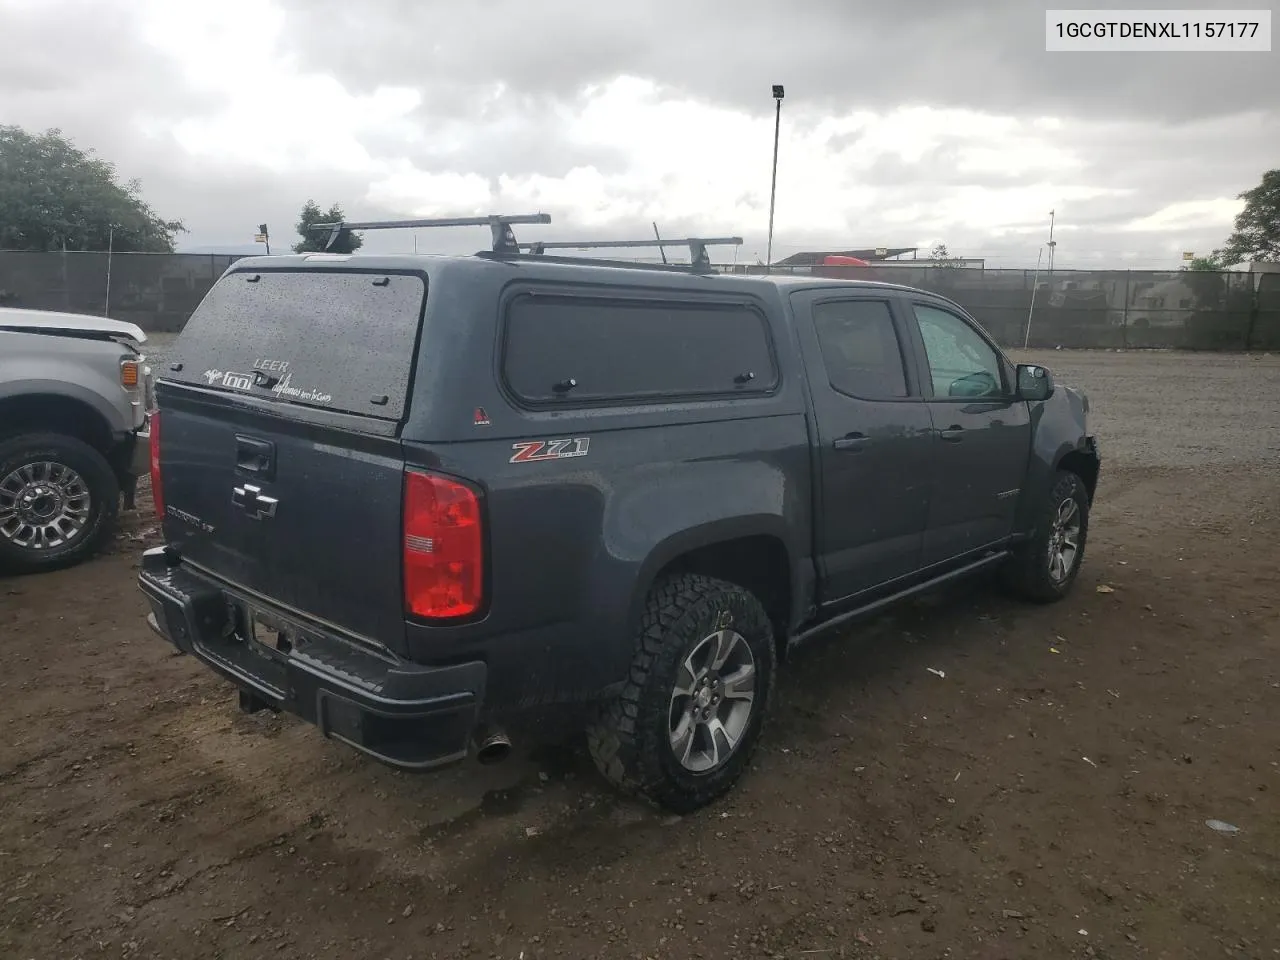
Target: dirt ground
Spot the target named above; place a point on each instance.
(1047, 797)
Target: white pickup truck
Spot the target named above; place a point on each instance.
(75, 404)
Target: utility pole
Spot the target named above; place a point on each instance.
(1035, 282)
(111, 237)
(662, 251)
(778, 94)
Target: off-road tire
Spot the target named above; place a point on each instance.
(104, 499)
(1026, 574)
(629, 737)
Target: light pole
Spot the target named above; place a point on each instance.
(778, 94)
(1052, 245)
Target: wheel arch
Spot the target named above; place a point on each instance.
(55, 412)
(751, 552)
(1085, 465)
(1077, 456)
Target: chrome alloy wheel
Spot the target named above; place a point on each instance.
(1064, 540)
(43, 505)
(712, 701)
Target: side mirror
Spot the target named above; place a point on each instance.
(1034, 382)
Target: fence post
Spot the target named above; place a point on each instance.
(1255, 288)
(1124, 317)
(66, 283)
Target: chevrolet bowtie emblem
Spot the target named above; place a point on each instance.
(251, 500)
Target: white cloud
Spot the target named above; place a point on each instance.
(1189, 215)
(685, 161)
(254, 124)
(711, 165)
(422, 194)
(271, 115)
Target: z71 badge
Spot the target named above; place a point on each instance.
(531, 451)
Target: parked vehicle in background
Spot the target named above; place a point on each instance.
(420, 501)
(75, 395)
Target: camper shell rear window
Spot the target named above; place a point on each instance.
(337, 339)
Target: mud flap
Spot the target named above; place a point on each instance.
(250, 702)
(129, 489)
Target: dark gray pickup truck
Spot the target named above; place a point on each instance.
(425, 502)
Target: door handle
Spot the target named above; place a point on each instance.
(952, 434)
(257, 457)
(851, 443)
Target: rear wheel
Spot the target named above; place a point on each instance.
(684, 727)
(58, 501)
(1045, 567)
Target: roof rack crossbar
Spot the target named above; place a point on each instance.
(698, 256)
(552, 257)
(504, 239)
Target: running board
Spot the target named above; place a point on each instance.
(876, 606)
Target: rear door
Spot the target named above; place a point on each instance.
(984, 432)
(281, 469)
(875, 439)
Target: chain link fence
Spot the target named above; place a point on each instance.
(157, 291)
(1118, 309)
(1107, 309)
(1265, 333)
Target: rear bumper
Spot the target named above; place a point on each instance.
(404, 714)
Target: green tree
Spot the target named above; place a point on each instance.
(941, 258)
(313, 241)
(55, 195)
(1204, 263)
(1257, 233)
(1215, 301)
(1207, 284)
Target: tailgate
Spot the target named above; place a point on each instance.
(280, 467)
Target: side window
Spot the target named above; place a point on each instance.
(591, 349)
(860, 348)
(961, 363)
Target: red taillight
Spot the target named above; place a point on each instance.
(157, 494)
(443, 547)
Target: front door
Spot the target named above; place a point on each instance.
(984, 434)
(875, 441)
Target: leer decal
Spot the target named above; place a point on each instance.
(531, 451)
(283, 388)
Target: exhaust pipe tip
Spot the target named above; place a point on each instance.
(493, 748)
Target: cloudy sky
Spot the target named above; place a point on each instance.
(902, 125)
